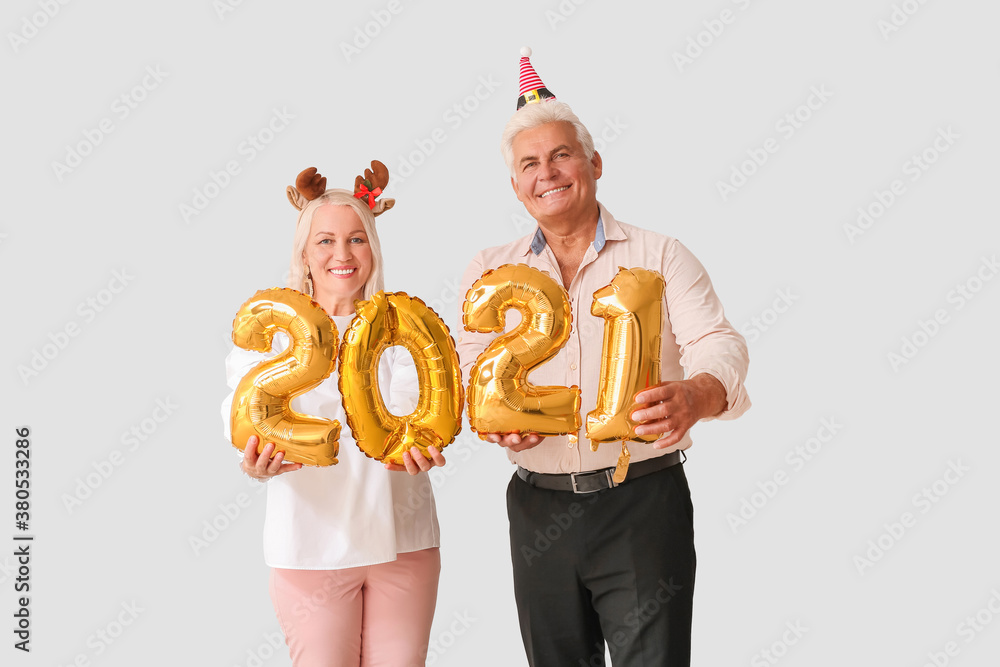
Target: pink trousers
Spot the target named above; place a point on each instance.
(361, 616)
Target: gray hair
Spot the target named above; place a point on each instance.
(334, 197)
(539, 113)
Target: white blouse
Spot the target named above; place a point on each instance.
(356, 512)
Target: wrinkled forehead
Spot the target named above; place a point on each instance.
(545, 137)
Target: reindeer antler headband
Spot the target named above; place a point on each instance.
(310, 185)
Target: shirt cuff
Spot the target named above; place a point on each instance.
(737, 399)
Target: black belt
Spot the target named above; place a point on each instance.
(596, 480)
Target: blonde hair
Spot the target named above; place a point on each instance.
(297, 273)
(539, 113)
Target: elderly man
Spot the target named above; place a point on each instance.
(596, 562)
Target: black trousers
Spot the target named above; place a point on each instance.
(616, 566)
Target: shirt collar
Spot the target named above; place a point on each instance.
(538, 242)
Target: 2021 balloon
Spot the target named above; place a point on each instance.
(501, 399)
(261, 402)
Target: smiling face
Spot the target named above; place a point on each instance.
(553, 177)
(339, 257)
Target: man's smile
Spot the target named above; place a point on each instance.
(548, 192)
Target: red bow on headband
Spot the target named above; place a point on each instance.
(363, 191)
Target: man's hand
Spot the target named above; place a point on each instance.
(515, 442)
(671, 408)
(415, 463)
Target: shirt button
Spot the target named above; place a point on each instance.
(572, 366)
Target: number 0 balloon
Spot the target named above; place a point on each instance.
(261, 402)
(398, 319)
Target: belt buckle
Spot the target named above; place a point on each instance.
(607, 474)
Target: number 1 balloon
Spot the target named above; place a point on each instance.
(632, 307)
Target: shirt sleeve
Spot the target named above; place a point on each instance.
(708, 342)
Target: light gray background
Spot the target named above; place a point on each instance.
(670, 134)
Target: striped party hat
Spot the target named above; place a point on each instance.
(532, 88)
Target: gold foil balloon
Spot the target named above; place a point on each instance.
(632, 308)
(261, 403)
(501, 400)
(398, 319)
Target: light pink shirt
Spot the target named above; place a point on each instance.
(696, 338)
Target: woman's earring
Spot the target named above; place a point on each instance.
(309, 282)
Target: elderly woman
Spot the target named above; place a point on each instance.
(353, 547)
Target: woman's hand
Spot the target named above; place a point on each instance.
(264, 466)
(415, 463)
